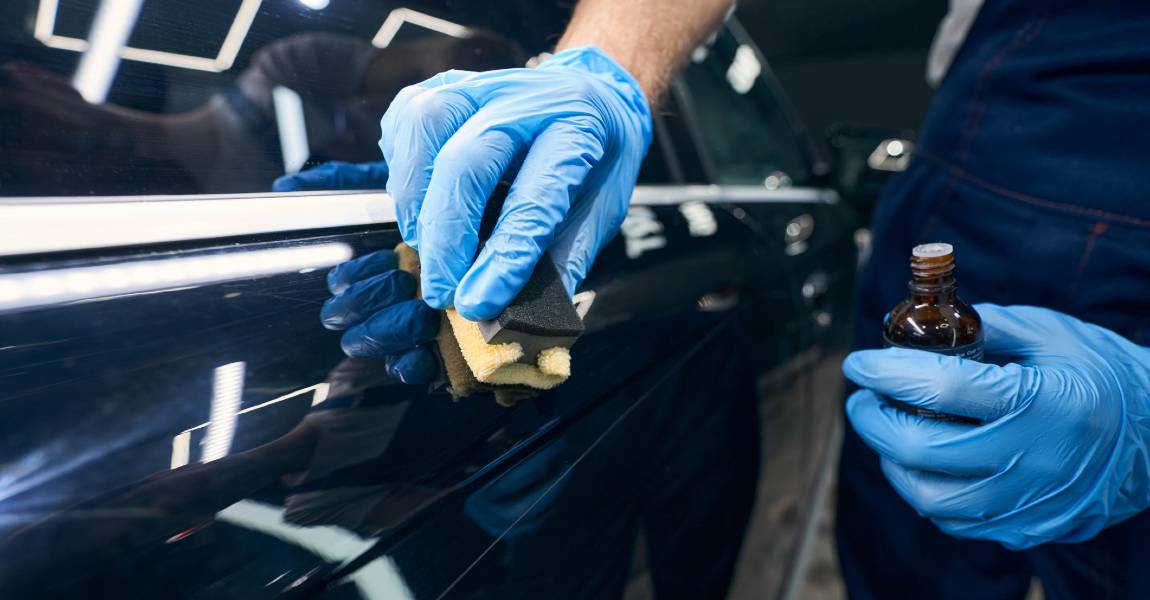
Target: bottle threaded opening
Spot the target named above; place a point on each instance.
(932, 263)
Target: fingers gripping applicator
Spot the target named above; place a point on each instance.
(519, 353)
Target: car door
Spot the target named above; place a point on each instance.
(762, 168)
(175, 422)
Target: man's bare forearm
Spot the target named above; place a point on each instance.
(650, 38)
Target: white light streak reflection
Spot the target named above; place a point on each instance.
(396, 18)
(111, 29)
(744, 70)
(181, 449)
(181, 443)
(292, 128)
(45, 25)
(227, 393)
(56, 286)
(378, 580)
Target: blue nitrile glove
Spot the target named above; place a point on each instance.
(373, 301)
(581, 126)
(335, 175)
(1064, 448)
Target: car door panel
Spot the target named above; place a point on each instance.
(176, 422)
(116, 393)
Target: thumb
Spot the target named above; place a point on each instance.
(1017, 331)
(539, 201)
(946, 384)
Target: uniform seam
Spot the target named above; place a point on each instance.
(1020, 40)
(934, 216)
(1010, 194)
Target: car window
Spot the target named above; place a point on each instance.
(222, 96)
(225, 97)
(742, 127)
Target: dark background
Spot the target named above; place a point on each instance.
(862, 63)
(840, 60)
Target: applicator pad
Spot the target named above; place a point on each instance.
(541, 317)
(527, 349)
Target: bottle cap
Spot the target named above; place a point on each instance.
(934, 250)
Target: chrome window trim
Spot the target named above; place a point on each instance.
(140, 275)
(33, 225)
(659, 195)
(40, 224)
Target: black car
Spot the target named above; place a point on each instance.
(175, 421)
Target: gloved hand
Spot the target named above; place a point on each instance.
(1064, 446)
(335, 175)
(584, 125)
(373, 304)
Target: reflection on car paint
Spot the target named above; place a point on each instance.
(46, 286)
(641, 230)
(171, 439)
(700, 220)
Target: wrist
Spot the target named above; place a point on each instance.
(595, 60)
(644, 78)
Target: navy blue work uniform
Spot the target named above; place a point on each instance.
(1034, 161)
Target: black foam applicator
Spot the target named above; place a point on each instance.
(542, 315)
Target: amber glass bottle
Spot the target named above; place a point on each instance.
(933, 317)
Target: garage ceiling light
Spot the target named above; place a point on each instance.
(111, 29)
(292, 126)
(396, 18)
(45, 26)
(744, 70)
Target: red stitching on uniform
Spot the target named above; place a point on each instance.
(1027, 198)
(1097, 230)
(1022, 38)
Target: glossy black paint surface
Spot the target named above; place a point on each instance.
(689, 434)
(96, 393)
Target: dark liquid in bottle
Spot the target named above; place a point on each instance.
(933, 318)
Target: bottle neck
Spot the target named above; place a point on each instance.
(940, 291)
(932, 279)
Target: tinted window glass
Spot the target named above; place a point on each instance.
(223, 96)
(744, 132)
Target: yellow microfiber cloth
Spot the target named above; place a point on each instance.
(472, 364)
(461, 382)
(500, 364)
